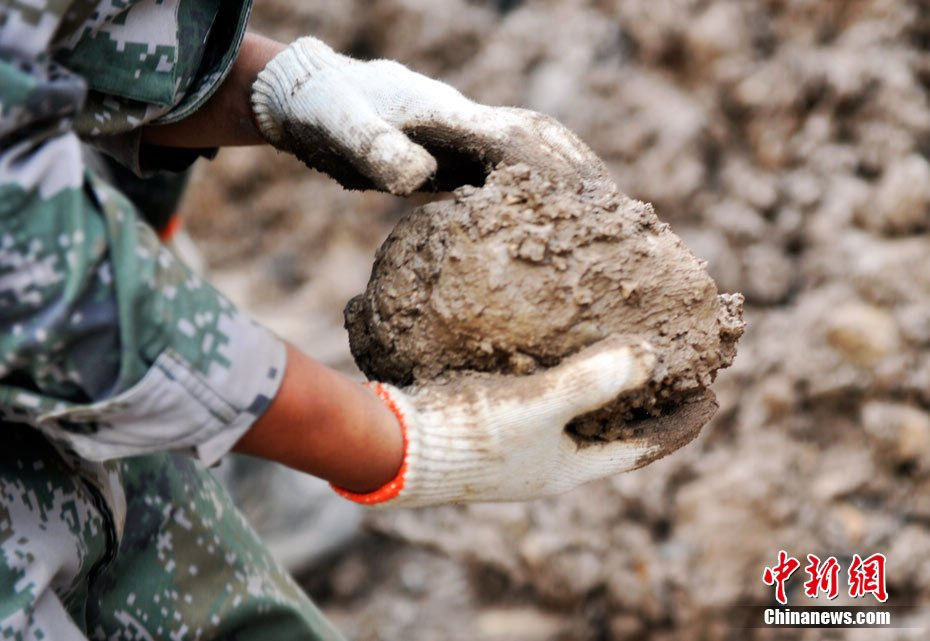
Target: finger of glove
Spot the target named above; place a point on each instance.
(345, 125)
(581, 383)
(650, 440)
(555, 137)
(464, 135)
(463, 139)
(435, 115)
(543, 141)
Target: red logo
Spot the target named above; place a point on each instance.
(780, 573)
(868, 577)
(865, 576)
(823, 577)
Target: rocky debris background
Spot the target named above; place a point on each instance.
(787, 142)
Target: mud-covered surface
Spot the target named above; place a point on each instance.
(525, 270)
(787, 145)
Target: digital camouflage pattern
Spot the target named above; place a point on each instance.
(111, 348)
(188, 566)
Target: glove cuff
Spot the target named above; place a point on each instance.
(266, 104)
(292, 67)
(442, 464)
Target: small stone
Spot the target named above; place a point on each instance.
(349, 577)
(506, 624)
(862, 333)
(768, 274)
(777, 395)
(900, 203)
(414, 578)
(625, 626)
(902, 430)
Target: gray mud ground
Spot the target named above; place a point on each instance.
(526, 270)
(787, 144)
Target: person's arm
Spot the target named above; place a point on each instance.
(322, 423)
(226, 119)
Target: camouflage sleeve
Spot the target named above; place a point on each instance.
(108, 344)
(147, 61)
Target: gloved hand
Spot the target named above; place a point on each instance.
(493, 438)
(379, 125)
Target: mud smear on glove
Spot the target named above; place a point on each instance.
(528, 269)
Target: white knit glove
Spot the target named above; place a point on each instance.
(495, 438)
(379, 125)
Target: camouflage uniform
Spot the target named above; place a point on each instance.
(114, 357)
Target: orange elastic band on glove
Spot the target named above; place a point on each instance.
(393, 487)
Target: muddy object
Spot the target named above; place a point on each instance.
(527, 269)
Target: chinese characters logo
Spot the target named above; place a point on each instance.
(864, 576)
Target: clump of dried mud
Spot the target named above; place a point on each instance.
(527, 269)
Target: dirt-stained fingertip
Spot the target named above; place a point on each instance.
(395, 163)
